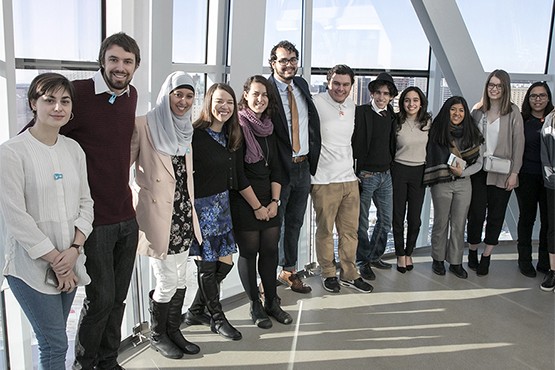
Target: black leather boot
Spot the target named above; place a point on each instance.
(472, 259)
(159, 339)
(196, 314)
(273, 308)
(209, 287)
(483, 267)
(174, 324)
(259, 316)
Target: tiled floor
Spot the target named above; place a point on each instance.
(416, 320)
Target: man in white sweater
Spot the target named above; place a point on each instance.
(335, 193)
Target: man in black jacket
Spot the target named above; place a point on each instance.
(374, 151)
(297, 128)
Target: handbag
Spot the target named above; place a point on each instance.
(497, 165)
(492, 163)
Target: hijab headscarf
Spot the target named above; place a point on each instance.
(171, 134)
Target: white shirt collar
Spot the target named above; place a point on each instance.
(282, 86)
(101, 87)
(376, 109)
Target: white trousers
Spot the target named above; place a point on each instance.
(170, 274)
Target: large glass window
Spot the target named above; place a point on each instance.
(59, 29)
(509, 34)
(283, 22)
(189, 31)
(368, 34)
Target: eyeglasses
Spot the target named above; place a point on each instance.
(541, 96)
(492, 86)
(293, 61)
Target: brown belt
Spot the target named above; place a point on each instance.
(299, 159)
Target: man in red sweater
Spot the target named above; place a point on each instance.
(104, 110)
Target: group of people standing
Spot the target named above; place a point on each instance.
(239, 178)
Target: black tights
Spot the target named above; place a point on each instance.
(263, 243)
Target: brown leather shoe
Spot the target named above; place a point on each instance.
(294, 282)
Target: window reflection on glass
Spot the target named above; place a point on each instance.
(368, 34)
(189, 31)
(509, 34)
(283, 22)
(57, 30)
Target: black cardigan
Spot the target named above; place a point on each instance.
(216, 169)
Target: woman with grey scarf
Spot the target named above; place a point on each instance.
(161, 150)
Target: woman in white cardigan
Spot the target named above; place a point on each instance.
(501, 124)
(161, 150)
(46, 214)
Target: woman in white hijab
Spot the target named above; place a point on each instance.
(161, 150)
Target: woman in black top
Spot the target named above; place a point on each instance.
(531, 192)
(257, 229)
(218, 167)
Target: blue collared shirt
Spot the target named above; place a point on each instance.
(302, 108)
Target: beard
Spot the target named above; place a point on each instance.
(115, 84)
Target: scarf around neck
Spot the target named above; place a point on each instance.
(171, 134)
(253, 126)
(437, 170)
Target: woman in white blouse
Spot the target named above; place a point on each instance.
(46, 214)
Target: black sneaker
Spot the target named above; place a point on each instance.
(459, 271)
(438, 267)
(548, 283)
(331, 285)
(358, 284)
(366, 272)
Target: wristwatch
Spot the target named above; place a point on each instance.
(277, 201)
(79, 248)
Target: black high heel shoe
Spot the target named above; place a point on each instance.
(411, 266)
(401, 269)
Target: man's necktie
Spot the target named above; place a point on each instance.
(295, 141)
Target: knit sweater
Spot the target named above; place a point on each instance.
(411, 143)
(104, 131)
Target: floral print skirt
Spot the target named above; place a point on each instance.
(216, 228)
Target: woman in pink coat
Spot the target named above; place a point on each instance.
(161, 149)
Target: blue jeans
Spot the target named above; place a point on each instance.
(294, 198)
(110, 251)
(47, 314)
(377, 187)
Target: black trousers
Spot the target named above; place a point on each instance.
(531, 193)
(489, 204)
(408, 193)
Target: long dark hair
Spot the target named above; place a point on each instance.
(527, 109)
(272, 98)
(423, 116)
(233, 130)
(440, 132)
